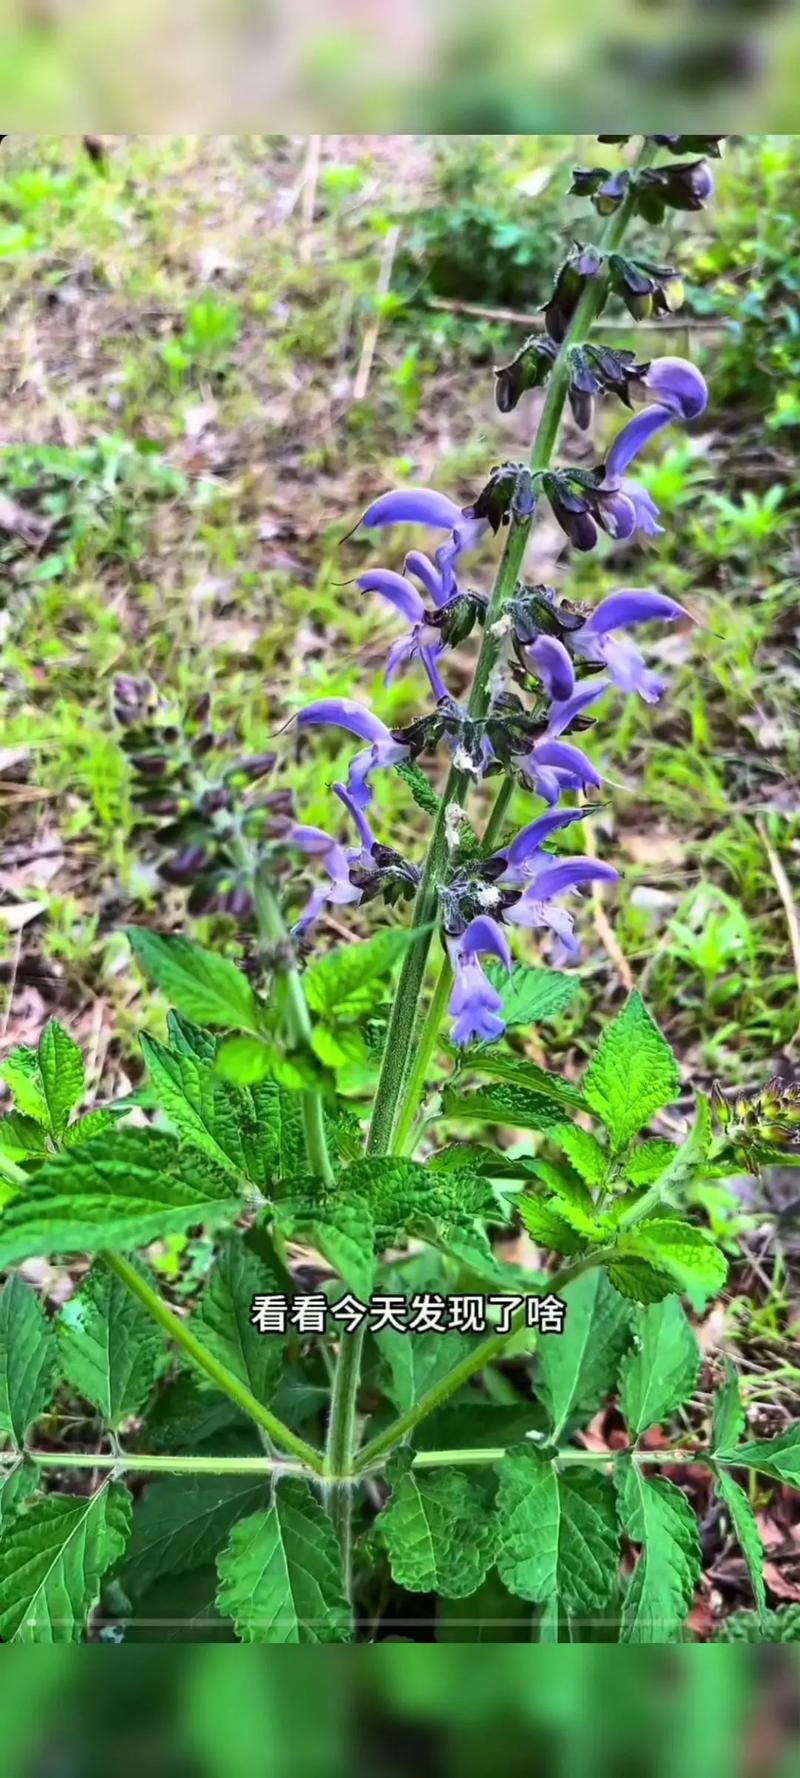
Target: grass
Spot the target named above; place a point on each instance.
(182, 350)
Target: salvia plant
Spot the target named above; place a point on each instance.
(346, 1394)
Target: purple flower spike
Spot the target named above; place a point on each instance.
(414, 506)
(383, 749)
(537, 909)
(554, 766)
(397, 590)
(681, 394)
(550, 661)
(474, 1004)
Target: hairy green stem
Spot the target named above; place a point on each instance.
(138, 1463)
(493, 1347)
(272, 932)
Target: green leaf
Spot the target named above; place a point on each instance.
(16, 1487)
(223, 1323)
(439, 1533)
(243, 1060)
(729, 1416)
(95, 1197)
(21, 1072)
(513, 1107)
(556, 1534)
(647, 1162)
(191, 1040)
(416, 1362)
(641, 1282)
(27, 1359)
(183, 1523)
(343, 1231)
(346, 984)
(662, 1371)
(110, 1348)
(778, 1458)
(281, 1573)
(548, 1227)
(53, 1557)
(491, 1614)
(579, 1368)
(204, 987)
(676, 1249)
(498, 1064)
(745, 1527)
(632, 1073)
(214, 1116)
(684, 1164)
(657, 1516)
(753, 1626)
(21, 1136)
(423, 793)
(84, 1129)
(63, 1080)
(531, 995)
(586, 1154)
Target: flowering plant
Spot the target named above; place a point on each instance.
(308, 1503)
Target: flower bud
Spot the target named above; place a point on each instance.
(187, 865)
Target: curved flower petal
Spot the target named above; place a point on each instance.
(553, 665)
(414, 506)
(531, 838)
(356, 815)
(483, 936)
(628, 669)
(634, 606)
(312, 840)
(631, 439)
(347, 714)
(565, 758)
(678, 385)
(424, 571)
(644, 507)
(561, 715)
(617, 514)
(562, 874)
(397, 590)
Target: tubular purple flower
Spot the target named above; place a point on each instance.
(536, 907)
(554, 766)
(474, 1004)
(423, 641)
(563, 713)
(619, 611)
(414, 506)
(524, 857)
(336, 861)
(382, 749)
(429, 577)
(550, 660)
(397, 590)
(677, 384)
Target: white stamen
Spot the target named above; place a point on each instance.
(488, 896)
(464, 762)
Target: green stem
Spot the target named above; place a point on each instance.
(493, 1347)
(136, 1464)
(272, 932)
(424, 1050)
(565, 1459)
(281, 1435)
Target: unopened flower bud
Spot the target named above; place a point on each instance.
(187, 865)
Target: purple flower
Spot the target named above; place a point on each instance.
(681, 395)
(337, 862)
(382, 749)
(422, 642)
(474, 1004)
(426, 506)
(537, 908)
(594, 640)
(525, 857)
(553, 766)
(550, 660)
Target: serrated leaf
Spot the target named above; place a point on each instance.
(211, 1114)
(754, 1626)
(84, 1129)
(677, 1249)
(183, 1523)
(95, 1197)
(53, 1557)
(661, 1373)
(656, 1515)
(778, 1458)
(416, 1362)
(346, 985)
(281, 1573)
(745, 1527)
(647, 1162)
(110, 1348)
(439, 1533)
(586, 1154)
(28, 1360)
(579, 1368)
(498, 1064)
(21, 1072)
(532, 995)
(63, 1080)
(340, 1228)
(243, 1060)
(191, 1040)
(206, 988)
(556, 1534)
(641, 1282)
(223, 1323)
(632, 1073)
(729, 1416)
(423, 793)
(548, 1227)
(17, 1486)
(682, 1168)
(513, 1107)
(21, 1136)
